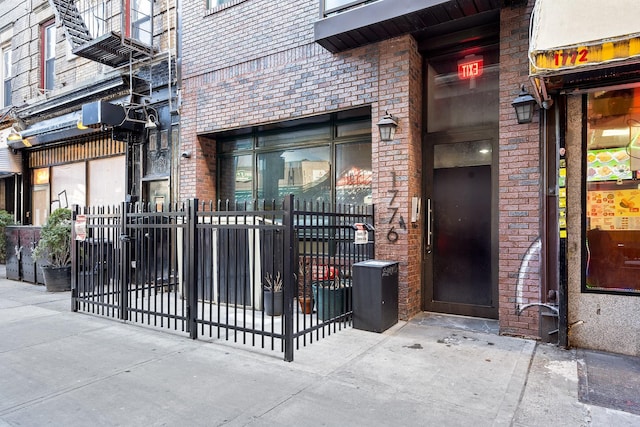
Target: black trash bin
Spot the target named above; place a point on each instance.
(375, 295)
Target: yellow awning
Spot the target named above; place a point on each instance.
(571, 35)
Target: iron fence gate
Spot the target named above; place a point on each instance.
(202, 269)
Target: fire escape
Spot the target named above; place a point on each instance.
(116, 46)
(116, 33)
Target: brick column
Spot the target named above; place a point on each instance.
(397, 166)
(519, 182)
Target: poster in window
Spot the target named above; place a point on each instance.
(608, 165)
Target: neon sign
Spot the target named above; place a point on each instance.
(470, 67)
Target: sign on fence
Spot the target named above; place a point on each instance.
(81, 227)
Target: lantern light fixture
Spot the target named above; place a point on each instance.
(524, 106)
(387, 127)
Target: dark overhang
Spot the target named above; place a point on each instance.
(56, 105)
(51, 130)
(384, 19)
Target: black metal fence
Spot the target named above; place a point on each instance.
(276, 276)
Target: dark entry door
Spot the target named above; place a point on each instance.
(460, 265)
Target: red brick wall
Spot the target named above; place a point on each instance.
(519, 181)
(236, 83)
(397, 166)
(239, 82)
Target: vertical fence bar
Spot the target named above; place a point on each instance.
(74, 261)
(373, 240)
(287, 220)
(125, 262)
(192, 272)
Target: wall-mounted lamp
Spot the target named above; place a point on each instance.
(15, 141)
(524, 105)
(14, 136)
(81, 126)
(151, 122)
(387, 127)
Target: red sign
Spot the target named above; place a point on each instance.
(470, 67)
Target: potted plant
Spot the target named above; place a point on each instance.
(54, 251)
(5, 219)
(331, 293)
(305, 293)
(272, 294)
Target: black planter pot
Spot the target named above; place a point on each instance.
(273, 303)
(57, 279)
(331, 301)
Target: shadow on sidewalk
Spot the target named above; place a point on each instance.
(609, 380)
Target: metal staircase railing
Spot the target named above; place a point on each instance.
(115, 33)
(72, 22)
(104, 32)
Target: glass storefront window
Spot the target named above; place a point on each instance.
(106, 192)
(68, 185)
(612, 161)
(236, 178)
(304, 172)
(295, 136)
(324, 159)
(354, 173)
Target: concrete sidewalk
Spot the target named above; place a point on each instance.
(69, 369)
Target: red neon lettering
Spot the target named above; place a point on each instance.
(467, 70)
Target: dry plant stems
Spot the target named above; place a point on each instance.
(304, 279)
(273, 284)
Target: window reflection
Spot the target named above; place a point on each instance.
(325, 159)
(353, 169)
(236, 179)
(302, 172)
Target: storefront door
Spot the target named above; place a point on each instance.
(459, 263)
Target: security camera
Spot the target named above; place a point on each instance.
(185, 154)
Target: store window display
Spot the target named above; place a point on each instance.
(612, 162)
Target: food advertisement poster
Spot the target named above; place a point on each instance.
(608, 165)
(614, 210)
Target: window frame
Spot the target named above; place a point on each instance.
(217, 7)
(593, 186)
(217, 3)
(95, 18)
(256, 134)
(48, 36)
(7, 74)
(134, 27)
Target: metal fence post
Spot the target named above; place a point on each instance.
(289, 282)
(191, 265)
(125, 262)
(75, 268)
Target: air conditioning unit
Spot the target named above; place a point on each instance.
(102, 113)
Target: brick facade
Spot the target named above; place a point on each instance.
(519, 183)
(234, 78)
(287, 75)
